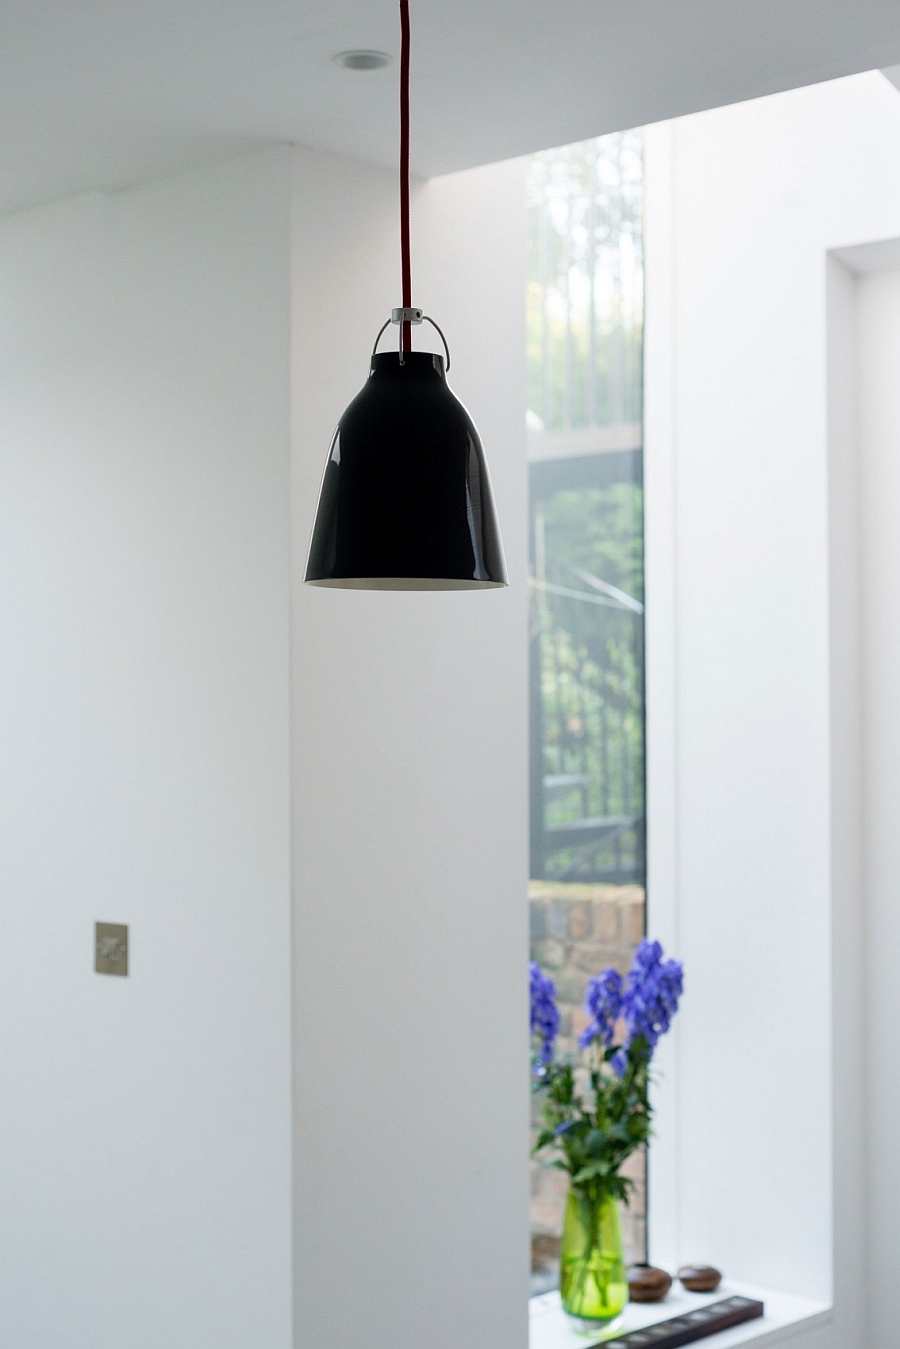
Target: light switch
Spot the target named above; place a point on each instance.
(111, 948)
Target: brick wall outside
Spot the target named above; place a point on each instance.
(577, 931)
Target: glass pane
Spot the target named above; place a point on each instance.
(585, 350)
(586, 284)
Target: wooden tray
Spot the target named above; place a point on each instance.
(688, 1326)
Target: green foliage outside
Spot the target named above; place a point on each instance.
(602, 531)
(585, 283)
(585, 369)
(592, 656)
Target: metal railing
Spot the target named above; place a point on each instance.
(587, 713)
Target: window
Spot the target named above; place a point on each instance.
(585, 357)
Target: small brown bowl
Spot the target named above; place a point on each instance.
(647, 1284)
(699, 1278)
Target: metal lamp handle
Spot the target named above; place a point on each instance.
(401, 316)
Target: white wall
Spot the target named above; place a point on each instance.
(144, 418)
(410, 813)
(145, 718)
(878, 317)
(145, 1149)
(851, 1285)
(753, 737)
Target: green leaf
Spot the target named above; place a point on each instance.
(591, 1171)
(595, 1142)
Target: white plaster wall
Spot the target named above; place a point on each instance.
(851, 1289)
(145, 1150)
(754, 863)
(145, 1147)
(410, 813)
(878, 317)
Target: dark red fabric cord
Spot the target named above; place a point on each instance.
(404, 169)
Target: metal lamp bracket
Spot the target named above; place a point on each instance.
(401, 316)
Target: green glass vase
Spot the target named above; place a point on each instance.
(592, 1282)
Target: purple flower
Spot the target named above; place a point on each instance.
(652, 991)
(603, 1003)
(619, 1061)
(544, 1012)
(646, 1001)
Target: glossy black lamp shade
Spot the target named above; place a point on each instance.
(406, 501)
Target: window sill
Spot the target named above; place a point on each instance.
(785, 1317)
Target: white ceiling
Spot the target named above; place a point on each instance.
(102, 93)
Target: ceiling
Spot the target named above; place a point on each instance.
(104, 93)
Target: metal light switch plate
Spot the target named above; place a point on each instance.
(111, 948)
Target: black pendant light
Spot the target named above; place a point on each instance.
(406, 500)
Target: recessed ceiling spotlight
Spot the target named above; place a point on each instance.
(362, 60)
